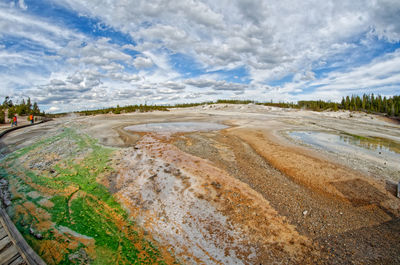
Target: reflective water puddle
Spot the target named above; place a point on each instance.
(385, 152)
(335, 142)
(174, 127)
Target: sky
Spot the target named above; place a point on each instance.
(72, 55)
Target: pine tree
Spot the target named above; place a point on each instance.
(343, 103)
(347, 103)
(352, 103)
(7, 102)
(2, 116)
(364, 101)
(28, 108)
(11, 112)
(35, 109)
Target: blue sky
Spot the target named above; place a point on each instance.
(84, 54)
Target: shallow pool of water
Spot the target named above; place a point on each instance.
(377, 153)
(174, 127)
(332, 142)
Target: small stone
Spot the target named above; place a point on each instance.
(80, 257)
(6, 202)
(305, 212)
(216, 185)
(36, 235)
(176, 172)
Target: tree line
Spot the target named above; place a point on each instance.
(366, 103)
(22, 109)
(372, 103)
(124, 109)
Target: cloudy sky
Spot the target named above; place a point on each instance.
(85, 54)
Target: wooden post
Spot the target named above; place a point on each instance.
(398, 190)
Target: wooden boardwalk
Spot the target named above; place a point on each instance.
(9, 253)
(14, 249)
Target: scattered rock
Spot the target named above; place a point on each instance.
(5, 195)
(216, 185)
(176, 172)
(80, 257)
(35, 234)
(305, 212)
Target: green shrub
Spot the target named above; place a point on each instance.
(2, 117)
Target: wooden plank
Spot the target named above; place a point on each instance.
(18, 261)
(3, 233)
(8, 254)
(4, 242)
(25, 250)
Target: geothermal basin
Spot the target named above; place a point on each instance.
(275, 186)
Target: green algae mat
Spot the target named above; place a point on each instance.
(64, 212)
